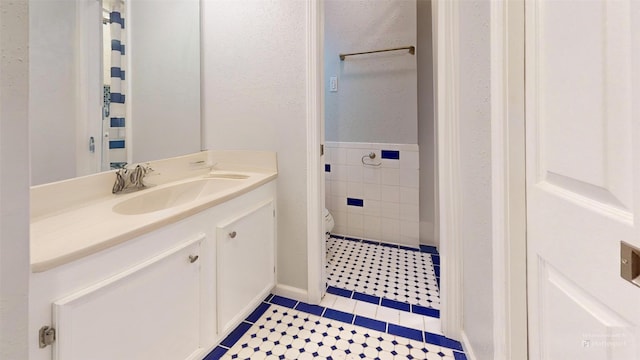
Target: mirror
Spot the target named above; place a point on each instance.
(112, 82)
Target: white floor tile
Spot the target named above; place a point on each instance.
(411, 320)
(328, 300)
(366, 309)
(389, 315)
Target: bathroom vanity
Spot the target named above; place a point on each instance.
(162, 273)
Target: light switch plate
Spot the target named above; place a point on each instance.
(333, 84)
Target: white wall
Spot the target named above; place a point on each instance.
(52, 90)
(475, 156)
(377, 94)
(14, 180)
(254, 97)
(165, 78)
(426, 125)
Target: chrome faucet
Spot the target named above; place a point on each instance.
(128, 180)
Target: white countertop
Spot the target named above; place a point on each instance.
(83, 229)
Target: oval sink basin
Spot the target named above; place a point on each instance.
(168, 197)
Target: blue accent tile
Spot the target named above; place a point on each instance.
(255, 315)
(366, 298)
(459, 356)
(337, 236)
(435, 259)
(436, 269)
(327, 167)
(117, 98)
(442, 341)
(370, 323)
(117, 122)
(417, 309)
(116, 144)
(235, 335)
(311, 309)
(405, 332)
(216, 353)
(355, 202)
(122, 49)
(429, 249)
(339, 292)
(116, 45)
(395, 304)
(268, 298)
(389, 245)
(116, 72)
(391, 154)
(371, 242)
(338, 315)
(351, 238)
(116, 18)
(283, 301)
(407, 248)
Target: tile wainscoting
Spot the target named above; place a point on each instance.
(376, 202)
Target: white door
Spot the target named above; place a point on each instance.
(583, 177)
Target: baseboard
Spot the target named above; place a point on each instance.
(291, 292)
(466, 345)
(427, 234)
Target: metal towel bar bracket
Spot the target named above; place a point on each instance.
(412, 51)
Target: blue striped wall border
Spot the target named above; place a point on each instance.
(116, 144)
(118, 98)
(117, 72)
(116, 18)
(328, 313)
(116, 45)
(117, 122)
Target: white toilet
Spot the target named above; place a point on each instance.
(328, 221)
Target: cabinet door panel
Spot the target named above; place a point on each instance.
(151, 311)
(245, 264)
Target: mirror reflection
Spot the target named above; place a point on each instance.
(112, 83)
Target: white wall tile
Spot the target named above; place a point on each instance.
(390, 193)
(328, 154)
(327, 187)
(390, 163)
(355, 232)
(339, 217)
(355, 221)
(355, 190)
(409, 212)
(390, 229)
(390, 177)
(409, 240)
(338, 203)
(409, 196)
(372, 208)
(372, 227)
(390, 210)
(342, 230)
(409, 160)
(410, 178)
(328, 175)
(339, 188)
(339, 172)
(371, 175)
(354, 156)
(409, 227)
(340, 156)
(371, 191)
(354, 173)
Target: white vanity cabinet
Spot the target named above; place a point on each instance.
(169, 294)
(245, 264)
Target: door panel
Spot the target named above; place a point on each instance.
(582, 199)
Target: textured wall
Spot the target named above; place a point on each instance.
(254, 97)
(376, 100)
(426, 125)
(475, 154)
(14, 180)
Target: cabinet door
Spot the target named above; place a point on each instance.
(151, 311)
(245, 264)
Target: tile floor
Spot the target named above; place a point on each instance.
(282, 328)
(394, 273)
(382, 303)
